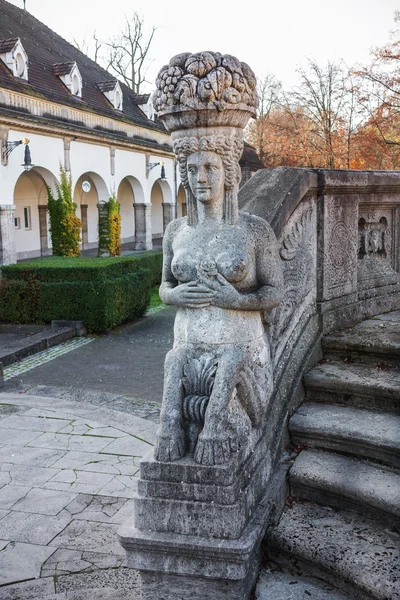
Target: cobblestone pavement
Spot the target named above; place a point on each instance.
(68, 476)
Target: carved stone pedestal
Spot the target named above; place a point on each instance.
(197, 530)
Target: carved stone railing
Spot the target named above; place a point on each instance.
(339, 241)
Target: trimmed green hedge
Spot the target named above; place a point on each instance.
(55, 268)
(101, 304)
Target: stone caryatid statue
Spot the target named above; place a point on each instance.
(221, 267)
(206, 495)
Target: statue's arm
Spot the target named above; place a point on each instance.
(269, 276)
(186, 295)
(168, 280)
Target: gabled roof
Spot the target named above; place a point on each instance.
(140, 98)
(7, 45)
(250, 159)
(63, 68)
(47, 54)
(107, 86)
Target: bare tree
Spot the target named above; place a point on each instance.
(127, 55)
(91, 49)
(380, 88)
(268, 89)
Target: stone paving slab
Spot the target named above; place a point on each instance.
(33, 423)
(17, 437)
(28, 590)
(44, 502)
(68, 474)
(78, 481)
(32, 528)
(66, 562)
(10, 494)
(25, 475)
(90, 536)
(99, 463)
(34, 457)
(19, 561)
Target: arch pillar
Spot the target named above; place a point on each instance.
(168, 213)
(8, 248)
(43, 230)
(144, 239)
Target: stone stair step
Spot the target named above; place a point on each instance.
(91, 594)
(285, 586)
(376, 340)
(347, 482)
(348, 430)
(343, 548)
(366, 386)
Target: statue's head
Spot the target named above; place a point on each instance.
(206, 100)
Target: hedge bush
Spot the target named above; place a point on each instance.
(55, 268)
(65, 227)
(101, 304)
(109, 228)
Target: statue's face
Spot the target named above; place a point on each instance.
(206, 176)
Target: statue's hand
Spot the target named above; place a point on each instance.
(191, 295)
(225, 295)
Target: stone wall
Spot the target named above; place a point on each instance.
(339, 240)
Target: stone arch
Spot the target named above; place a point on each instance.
(181, 202)
(129, 194)
(87, 206)
(32, 237)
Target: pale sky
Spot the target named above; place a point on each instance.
(273, 37)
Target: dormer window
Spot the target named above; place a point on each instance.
(145, 103)
(12, 53)
(69, 74)
(113, 92)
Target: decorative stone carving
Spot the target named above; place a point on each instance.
(198, 81)
(297, 252)
(340, 247)
(373, 238)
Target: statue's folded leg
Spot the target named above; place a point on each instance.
(214, 445)
(171, 439)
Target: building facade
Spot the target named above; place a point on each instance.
(75, 115)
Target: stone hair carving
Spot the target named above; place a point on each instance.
(230, 149)
(198, 80)
(221, 268)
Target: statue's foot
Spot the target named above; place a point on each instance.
(170, 446)
(213, 450)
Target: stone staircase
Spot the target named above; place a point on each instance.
(341, 526)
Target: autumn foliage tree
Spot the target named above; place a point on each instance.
(336, 117)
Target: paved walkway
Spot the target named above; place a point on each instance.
(72, 432)
(126, 362)
(68, 475)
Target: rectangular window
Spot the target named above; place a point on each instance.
(17, 223)
(27, 217)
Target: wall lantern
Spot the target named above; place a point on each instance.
(151, 165)
(27, 164)
(8, 147)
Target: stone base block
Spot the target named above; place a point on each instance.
(174, 566)
(174, 587)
